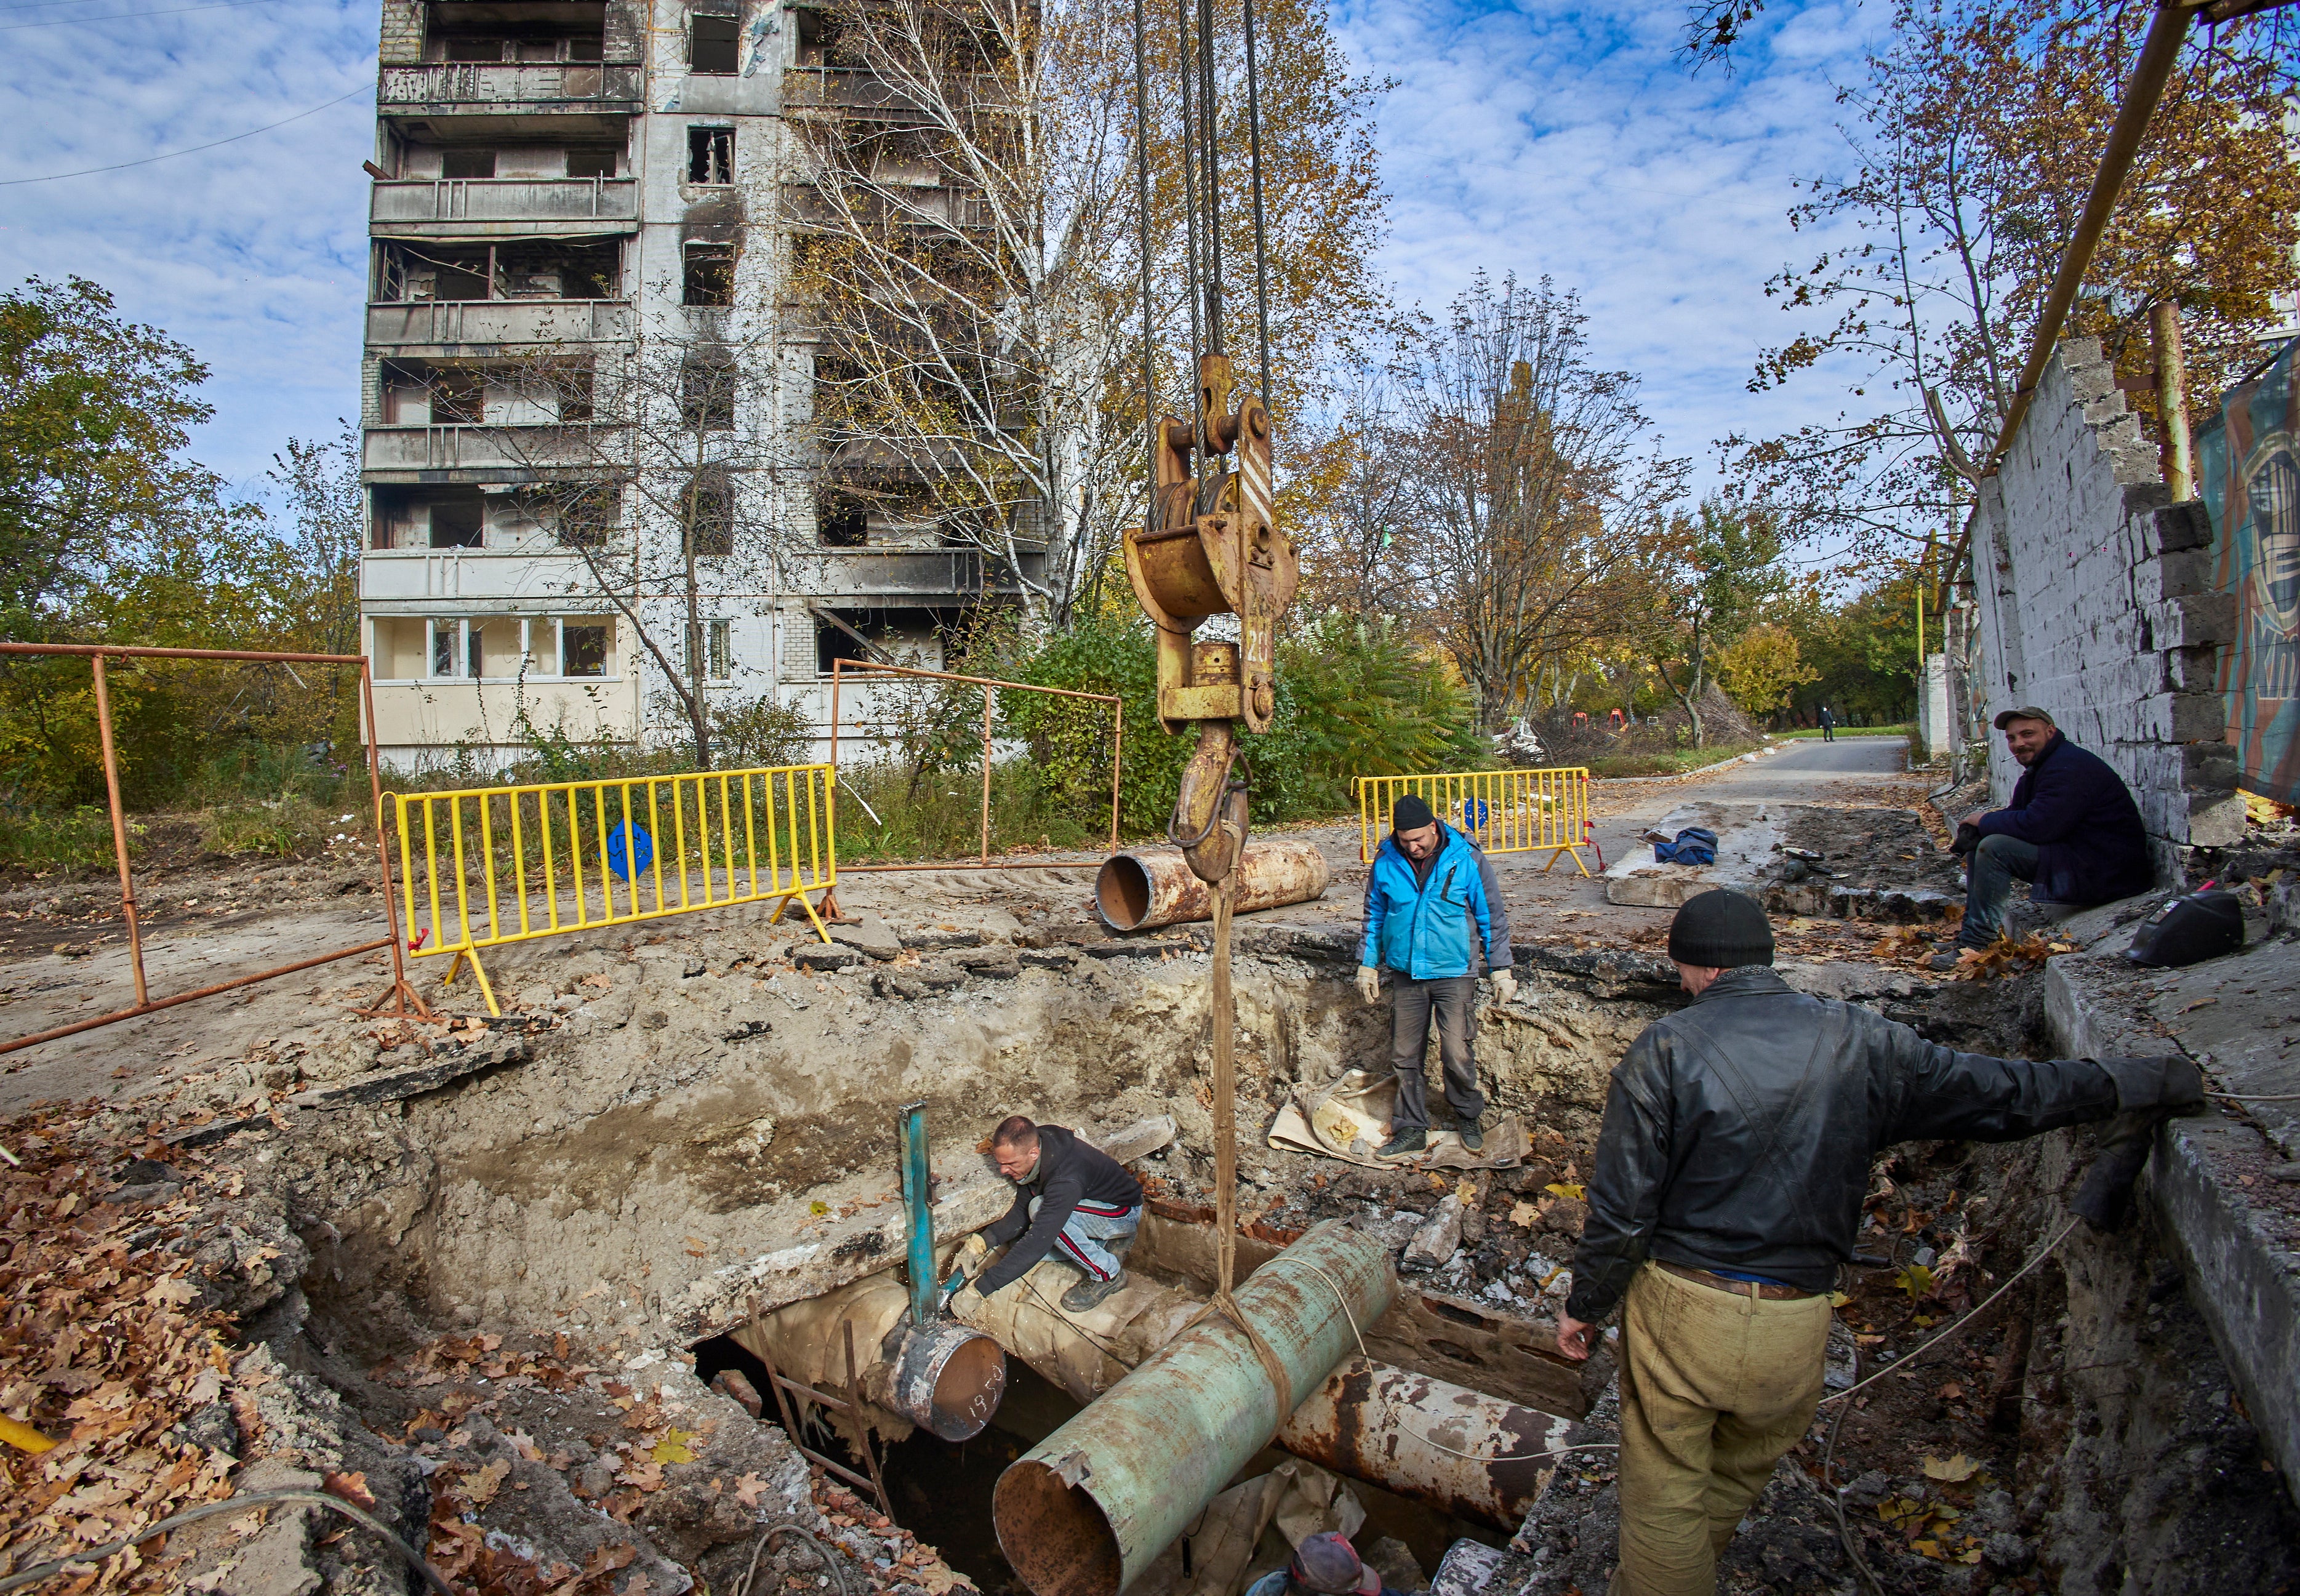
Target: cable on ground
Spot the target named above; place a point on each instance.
(742, 1587)
(41, 1572)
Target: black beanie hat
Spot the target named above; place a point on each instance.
(1722, 931)
(1411, 814)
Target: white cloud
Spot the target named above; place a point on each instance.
(1571, 141)
(255, 254)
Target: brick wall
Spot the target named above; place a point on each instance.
(402, 39)
(2095, 601)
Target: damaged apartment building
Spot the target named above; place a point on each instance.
(586, 384)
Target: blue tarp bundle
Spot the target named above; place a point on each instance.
(1695, 845)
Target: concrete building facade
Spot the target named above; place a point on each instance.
(585, 392)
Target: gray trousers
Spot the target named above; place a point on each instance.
(1453, 999)
(1996, 863)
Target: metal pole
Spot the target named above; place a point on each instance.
(118, 831)
(2158, 55)
(205, 991)
(1117, 757)
(2173, 400)
(987, 701)
(919, 1212)
(382, 853)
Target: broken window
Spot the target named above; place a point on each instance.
(588, 519)
(467, 163)
(455, 648)
(711, 44)
(706, 391)
(571, 387)
(460, 279)
(458, 524)
(599, 163)
(582, 649)
(473, 49)
(710, 155)
(710, 274)
(708, 509)
(721, 661)
(458, 397)
(843, 523)
(834, 641)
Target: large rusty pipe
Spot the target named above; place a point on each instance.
(1459, 1451)
(1084, 1511)
(1455, 1450)
(1143, 888)
(941, 1375)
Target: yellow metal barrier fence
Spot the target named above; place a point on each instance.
(499, 864)
(1503, 811)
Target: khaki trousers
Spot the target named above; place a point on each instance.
(1715, 1386)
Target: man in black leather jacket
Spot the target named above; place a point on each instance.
(1726, 1189)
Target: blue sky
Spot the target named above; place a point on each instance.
(1555, 138)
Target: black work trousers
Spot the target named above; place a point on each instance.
(1454, 1000)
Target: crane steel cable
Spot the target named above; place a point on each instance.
(1150, 422)
(1261, 236)
(1189, 216)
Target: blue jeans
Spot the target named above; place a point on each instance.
(1996, 863)
(1089, 1226)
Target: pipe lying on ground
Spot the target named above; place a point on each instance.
(1086, 1509)
(942, 1376)
(1144, 888)
(1408, 1433)
(1405, 1432)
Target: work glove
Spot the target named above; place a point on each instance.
(973, 1256)
(951, 1287)
(1504, 987)
(1368, 983)
(2148, 1092)
(2165, 1082)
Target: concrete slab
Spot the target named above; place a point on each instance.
(2213, 1182)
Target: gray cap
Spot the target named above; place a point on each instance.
(1327, 1562)
(2027, 712)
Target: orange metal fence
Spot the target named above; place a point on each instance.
(989, 684)
(96, 653)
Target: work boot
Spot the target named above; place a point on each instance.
(1089, 1293)
(1474, 1135)
(1404, 1144)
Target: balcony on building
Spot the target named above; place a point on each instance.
(524, 422)
(485, 57)
(448, 298)
(883, 545)
(503, 183)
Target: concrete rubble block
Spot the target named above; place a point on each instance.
(873, 937)
(391, 1086)
(1438, 1239)
(825, 956)
(1049, 958)
(991, 964)
(940, 939)
(1053, 933)
(924, 982)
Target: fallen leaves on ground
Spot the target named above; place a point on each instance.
(101, 1351)
(2005, 958)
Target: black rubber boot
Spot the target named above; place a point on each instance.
(1404, 1144)
(1089, 1293)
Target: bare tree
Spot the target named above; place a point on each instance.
(1536, 481)
(1356, 540)
(970, 244)
(664, 474)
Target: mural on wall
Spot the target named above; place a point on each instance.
(2248, 470)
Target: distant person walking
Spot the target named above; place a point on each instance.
(1828, 724)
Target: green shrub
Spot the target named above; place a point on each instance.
(68, 838)
(278, 827)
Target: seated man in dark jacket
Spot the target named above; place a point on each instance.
(1071, 1196)
(1725, 1193)
(2071, 828)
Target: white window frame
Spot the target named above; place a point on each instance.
(543, 640)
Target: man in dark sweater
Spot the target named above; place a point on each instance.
(1726, 1191)
(2073, 829)
(1070, 1195)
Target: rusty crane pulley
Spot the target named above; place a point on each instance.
(1215, 551)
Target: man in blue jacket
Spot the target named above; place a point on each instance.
(2072, 829)
(1432, 904)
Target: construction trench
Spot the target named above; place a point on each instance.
(504, 1273)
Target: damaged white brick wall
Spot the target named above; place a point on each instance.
(2095, 603)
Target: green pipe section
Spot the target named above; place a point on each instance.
(1088, 1508)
